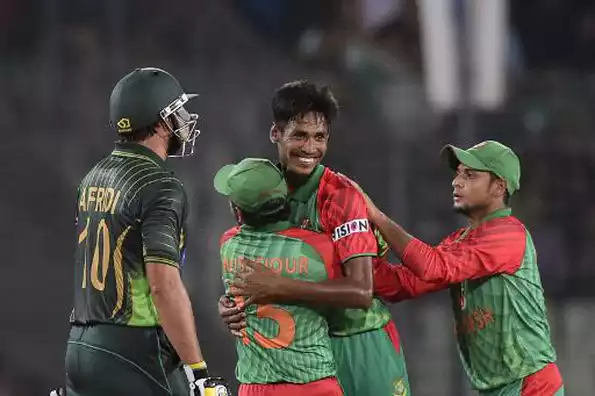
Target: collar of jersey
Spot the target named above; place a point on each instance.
(305, 191)
(136, 150)
(273, 227)
(504, 212)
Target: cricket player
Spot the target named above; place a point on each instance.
(324, 201)
(132, 322)
(285, 349)
(491, 270)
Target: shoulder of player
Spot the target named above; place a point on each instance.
(227, 235)
(334, 183)
(500, 225)
(307, 236)
(158, 183)
(453, 236)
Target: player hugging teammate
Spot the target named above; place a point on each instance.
(362, 333)
(490, 266)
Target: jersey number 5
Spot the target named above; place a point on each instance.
(284, 320)
(102, 252)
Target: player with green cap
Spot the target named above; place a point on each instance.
(285, 350)
(491, 270)
(324, 201)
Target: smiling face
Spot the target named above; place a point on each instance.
(476, 191)
(302, 143)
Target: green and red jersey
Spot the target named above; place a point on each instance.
(282, 343)
(130, 210)
(497, 297)
(328, 203)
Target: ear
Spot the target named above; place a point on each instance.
(274, 133)
(162, 128)
(501, 187)
(237, 213)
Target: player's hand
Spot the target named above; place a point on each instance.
(373, 211)
(257, 283)
(233, 315)
(201, 384)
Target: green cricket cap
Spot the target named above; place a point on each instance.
(252, 183)
(489, 156)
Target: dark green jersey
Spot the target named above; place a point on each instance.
(282, 343)
(131, 211)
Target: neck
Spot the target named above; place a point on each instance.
(156, 147)
(295, 180)
(477, 217)
(272, 226)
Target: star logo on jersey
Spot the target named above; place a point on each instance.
(400, 388)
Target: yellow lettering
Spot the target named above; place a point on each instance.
(115, 202)
(103, 233)
(108, 199)
(91, 196)
(82, 237)
(82, 201)
(99, 198)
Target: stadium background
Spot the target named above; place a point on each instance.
(59, 60)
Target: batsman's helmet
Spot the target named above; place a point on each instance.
(148, 95)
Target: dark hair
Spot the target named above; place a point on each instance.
(506, 194)
(138, 135)
(298, 98)
(263, 217)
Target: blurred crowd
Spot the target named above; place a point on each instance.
(59, 60)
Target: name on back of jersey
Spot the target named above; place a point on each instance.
(350, 227)
(98, 199)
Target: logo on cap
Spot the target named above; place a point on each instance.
(124, 125)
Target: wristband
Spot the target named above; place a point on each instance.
(196, 371)
(198, 366)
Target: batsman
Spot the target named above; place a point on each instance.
(132, 327)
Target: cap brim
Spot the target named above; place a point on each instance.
(454, 156)
(191, 96)
(220, 180)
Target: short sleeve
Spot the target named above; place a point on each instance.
(162, 222)
(344, 215)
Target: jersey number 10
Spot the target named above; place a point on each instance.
(104, 251)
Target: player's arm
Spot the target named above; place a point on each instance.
(395, 282)
(355, 247)
(354, 290)
(497, 250)
(161, 223)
